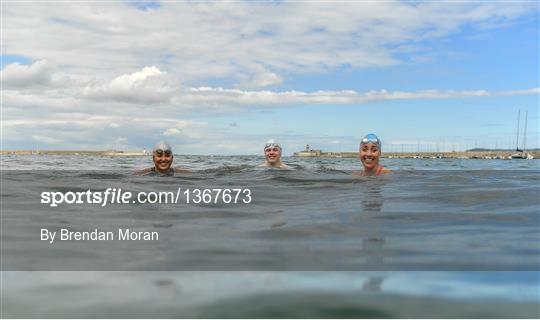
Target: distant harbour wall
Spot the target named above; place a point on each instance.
(313, 154)
(111, 153)
(419, 155)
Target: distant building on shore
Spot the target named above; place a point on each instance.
(308, 152)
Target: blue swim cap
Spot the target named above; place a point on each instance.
(371, 137)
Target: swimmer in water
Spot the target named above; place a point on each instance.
(162, 156)
(370, 152)
(272, 152)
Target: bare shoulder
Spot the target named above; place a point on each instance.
(180, 170)
(363, 173)
(143, 172)
(281, 166)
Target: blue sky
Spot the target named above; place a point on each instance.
(217, 78)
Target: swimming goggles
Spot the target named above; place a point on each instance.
(371, 138)
(160, 152)
(272, 145)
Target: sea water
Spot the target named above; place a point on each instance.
(435, 238)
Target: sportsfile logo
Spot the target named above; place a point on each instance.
(110, 195)
(119, 196)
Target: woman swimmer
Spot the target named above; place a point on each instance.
(370, 152)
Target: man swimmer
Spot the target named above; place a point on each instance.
(162, 156)
(370, 152)
(272, 152)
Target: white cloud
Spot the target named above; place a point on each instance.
(207, 95)
(15, 75)
(115, 58)
(98, 66)
(171, 132)
(520, 92)
(267, 79)
(90, 39)
(260, 77)
(149, 85)
(87, 131)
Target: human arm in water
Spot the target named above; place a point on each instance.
(143, 172)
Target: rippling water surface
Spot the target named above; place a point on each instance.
(316, 241)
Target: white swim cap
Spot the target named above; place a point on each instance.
(163, 146)
(272, 143)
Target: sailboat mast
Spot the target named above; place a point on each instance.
(517, 136)
(525, 131)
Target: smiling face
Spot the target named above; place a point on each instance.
(369, 155)
(273, 155)
(163, 160)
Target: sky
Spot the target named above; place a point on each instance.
(224, 77)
